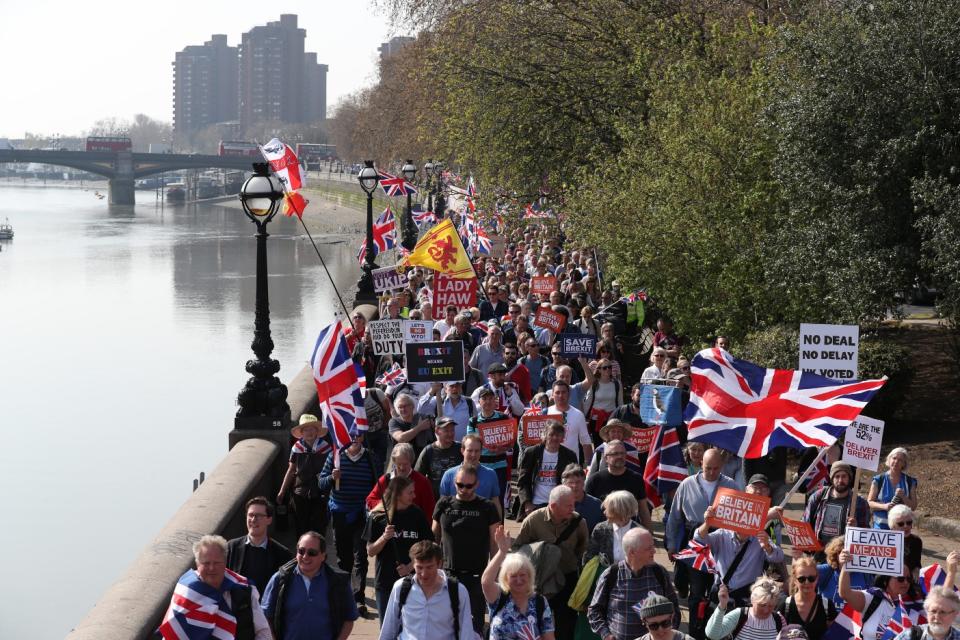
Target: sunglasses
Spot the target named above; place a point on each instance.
(465, 485)
(606, 366)
(901, 578)
(663, 624)
(810, 579)
(904, 523)
(308, 552)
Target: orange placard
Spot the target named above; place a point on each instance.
(533, 427)
(740, 512)
(547, 318)
(801, 535)
(641, 438)
(498, 433)
(543, 284)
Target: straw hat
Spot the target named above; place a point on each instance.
(605, 430)
(307, 420)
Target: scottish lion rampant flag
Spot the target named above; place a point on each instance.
(749, 410)
(339, 389)
(198, 611)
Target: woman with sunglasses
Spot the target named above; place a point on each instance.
(892, 488)
(657, 615)
(901, 518)
(804, 606)
(759, 621)
(602, 398)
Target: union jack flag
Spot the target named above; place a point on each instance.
(395, 185)
(483, 243)
(932, 576)
(195, 612)
(749, 410)
(909, 613)
(698, 556)
(532, 210)
(471, 188)
(665, 469)
(384, 235)
(339, 387)
(421, 217)
(320, 445)
(818, 477)
(632, 297)
(846, 626)
(526, 632)
(394, 376)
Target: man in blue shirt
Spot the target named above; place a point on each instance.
(308, 599)
(488, 485)
(586, 505)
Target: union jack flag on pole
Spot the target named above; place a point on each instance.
(195, 612)
(394, 376)
(339, 389)
(665, 469)
(395, 185)
(698, 556)
(749, 410)
(384, 235)
(932, 576)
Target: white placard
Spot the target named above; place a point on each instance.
(861, 445)
(387, 336)
(830, 350)
(874, 551)
(418, 330)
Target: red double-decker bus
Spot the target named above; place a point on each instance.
(108, 143)
(238, 148)
(312, 154)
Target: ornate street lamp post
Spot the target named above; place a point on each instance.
(369, 178)
(409, 226)
(428, 171)
(263, 400)
(441, 202)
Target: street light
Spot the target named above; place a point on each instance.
(409, 226)
(368, 177)
(263, 400)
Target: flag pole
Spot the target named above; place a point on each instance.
(329, 277)
(854, 494)
(803, 476)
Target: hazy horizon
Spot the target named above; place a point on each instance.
(79, 63)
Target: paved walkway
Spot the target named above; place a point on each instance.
(935, 549)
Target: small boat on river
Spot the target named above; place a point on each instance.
(6, 231)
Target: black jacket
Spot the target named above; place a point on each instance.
(530, 464)
(277, 556)
(338, 588)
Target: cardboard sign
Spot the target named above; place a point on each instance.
(387, 336)
(435, 361)
(418, 330)
(861, 445)
(801, 535)
(388, 279)
(874, 551)
(547, 318)
(739, 512)
(498, 433)
(533, 427)
(543, 284)
(642, 438)
(462, 293)
(830, 350)
(576, 345)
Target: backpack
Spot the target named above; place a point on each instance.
(778, 620)
(453, 590)
(538, 607)
(545, 557)
(611, 578)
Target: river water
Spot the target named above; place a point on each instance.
(124, 336)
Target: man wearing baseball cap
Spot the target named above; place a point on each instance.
(440, 455)
(828, 509)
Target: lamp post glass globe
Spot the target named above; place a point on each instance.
(409, 171)
(368, 177)
(259, 193)
(428, 168)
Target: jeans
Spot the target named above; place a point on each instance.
(478, 604)
(310, 514)
(700, 583)
(351, 551)
(383, 598)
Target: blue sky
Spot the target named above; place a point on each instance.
(69, 64)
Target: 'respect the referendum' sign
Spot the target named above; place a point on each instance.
(861, 445)
(874, 551)
(830, 350)
(387, 337)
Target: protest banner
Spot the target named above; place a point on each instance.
(739, 512)
(576, 345)
(387, 336)
(462, 293)
(543, 284)
(499, 246)
(417, 330)
(497, 433)
(435, 361)
(533, 427)
(874, 551)
(641, 438)
(801, 535)
(830, 350)
(547, 318)
(861, 445)
(388, 279)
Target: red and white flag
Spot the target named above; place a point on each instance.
(284, 164)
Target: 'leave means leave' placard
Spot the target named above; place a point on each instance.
(874, 551)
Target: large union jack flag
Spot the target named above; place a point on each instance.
(195, 613)
(749, 410)
(339, 386)
(384, 235)
(698, 556)
(395, 185)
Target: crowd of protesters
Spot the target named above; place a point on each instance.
(421, 494)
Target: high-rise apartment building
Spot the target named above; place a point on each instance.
(272, 73)
(314, 89)
(204, 85)
(393, 47)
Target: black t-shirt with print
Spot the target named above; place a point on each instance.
(466, 532)
(411, 527)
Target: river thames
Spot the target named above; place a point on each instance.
(124, 335)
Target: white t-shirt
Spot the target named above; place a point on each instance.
(876, 625)
(546, 478)
(576, 425)
(707, 486)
